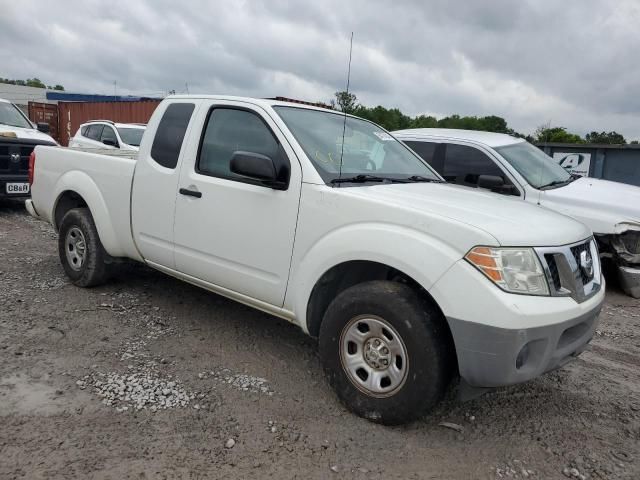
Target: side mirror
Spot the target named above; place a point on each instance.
(491, 182)
(257, 167)
(496, 184)
(110, 142)
(43, 127)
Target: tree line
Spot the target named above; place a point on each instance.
(393, 119)
(31, 82)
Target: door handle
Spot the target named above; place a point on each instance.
(190, 193)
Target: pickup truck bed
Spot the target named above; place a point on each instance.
(103, 180)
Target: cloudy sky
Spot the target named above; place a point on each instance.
(573, 63)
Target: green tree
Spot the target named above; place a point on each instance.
(605, 137)
(547, 134)
(391, 119)
(347, 102)
(35, 82)
(424, 121)
(634, 142)
(31, 82)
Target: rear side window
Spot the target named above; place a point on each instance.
(83, 130)
(463, 165)
(94, 132)
(228, 131)
(170, 134)
(427, 151)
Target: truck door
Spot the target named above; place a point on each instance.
(230, 231)
(155, 183)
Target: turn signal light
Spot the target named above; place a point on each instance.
(32, 166)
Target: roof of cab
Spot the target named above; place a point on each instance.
(263, 102)
(489, 139)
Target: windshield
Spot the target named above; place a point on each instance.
(368, 150)
(131, 136)
(538, 169)
(10, 115)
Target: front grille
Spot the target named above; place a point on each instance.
(577, 254)
(567, 274)
(14, 155)
(553, 271)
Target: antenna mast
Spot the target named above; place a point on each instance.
(344, 124)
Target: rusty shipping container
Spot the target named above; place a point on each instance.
(45, 113)
(73, 114)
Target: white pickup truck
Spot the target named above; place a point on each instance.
(511, 166)
(329, 222)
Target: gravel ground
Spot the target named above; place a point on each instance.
(148, 377)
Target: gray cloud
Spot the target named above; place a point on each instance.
(571, 63)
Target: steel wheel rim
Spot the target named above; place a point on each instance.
(75, 247)
(373, 355)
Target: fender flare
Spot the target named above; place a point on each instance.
(368, 242)
(83, 185)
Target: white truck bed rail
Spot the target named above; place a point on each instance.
(112, 152)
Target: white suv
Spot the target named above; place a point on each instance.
(108, 134)
(513, 167)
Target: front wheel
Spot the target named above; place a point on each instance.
(81, 253)
(386, 352)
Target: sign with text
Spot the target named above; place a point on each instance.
(577, 163)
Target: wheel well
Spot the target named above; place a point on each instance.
(348, 274)
(67, 201)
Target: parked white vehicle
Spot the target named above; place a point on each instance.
(102, 134)
(407, 281)
(18, 137)
(513, 167)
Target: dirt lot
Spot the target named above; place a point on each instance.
(243, 393)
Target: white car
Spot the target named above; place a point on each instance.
(511, 166)
(108, 134)
(406, 281)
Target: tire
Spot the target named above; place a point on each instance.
(403, 323)
(81, 253)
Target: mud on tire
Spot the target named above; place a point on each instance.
(386, 352)
(81, 253)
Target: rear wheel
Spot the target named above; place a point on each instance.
(81, 253)
(386, 352)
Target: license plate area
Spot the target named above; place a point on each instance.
(17, 188)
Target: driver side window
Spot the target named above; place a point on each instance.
(230, 130)
(109, 135)
(463, 165)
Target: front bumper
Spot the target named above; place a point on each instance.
(630, 280)
(503, 338)
(493, 356)
(4, 179)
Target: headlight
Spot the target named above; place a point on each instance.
(515, 270)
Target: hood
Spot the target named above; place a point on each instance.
(510, 221)
(605, 206)
(27, 133)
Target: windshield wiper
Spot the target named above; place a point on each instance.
(420, 178)
(555, 183)
(363, 178)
